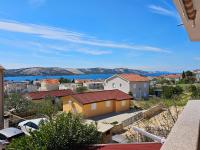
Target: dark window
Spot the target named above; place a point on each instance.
(2, 137)
(32, 125)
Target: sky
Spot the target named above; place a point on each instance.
(137, 34)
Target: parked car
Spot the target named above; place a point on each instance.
(30, 125)
(7, 134)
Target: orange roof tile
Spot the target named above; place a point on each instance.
(133, 77)
(173, 76)
(51, 81)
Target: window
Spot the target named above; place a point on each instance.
(107, 103)
(93, 106)
(2, 137)
(31, 124)
(145, 85)
(134, 86)
(145, 94)
(113, 85)
(123, 103)
(134, 95)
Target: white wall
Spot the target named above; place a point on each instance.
(108, 84)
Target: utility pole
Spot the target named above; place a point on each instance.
(1, 97)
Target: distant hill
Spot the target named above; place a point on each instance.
(37, 71)
(52, 71)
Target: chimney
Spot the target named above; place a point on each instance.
(1, 98)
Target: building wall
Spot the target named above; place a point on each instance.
(48, 87)
(119, 83)
(197, 75)
(139, 89)
(75, 106)
(101, 109)
(120, 107)
(1, 98)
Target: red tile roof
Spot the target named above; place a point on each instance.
(133, 77)
(172, 76)
(139, 146)
(42, 94)
(51, 81)
(97, 96)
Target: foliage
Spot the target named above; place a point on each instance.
(151, 90)
(167, 92)
(195, 91)
(189, 74)
(48, 107)
(64, 131)
(180, 100)
(187, 78)
(183, 75)
(17, 103)
(63, 80)
(170, 91)
(163, 81)
(81, 89)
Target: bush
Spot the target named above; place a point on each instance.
(63, 80)
(65, 131)
(81, 89)
(170, 91)
(17, 103)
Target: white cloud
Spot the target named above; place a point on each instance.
(53, 33)
(55, 49)
(164, 11)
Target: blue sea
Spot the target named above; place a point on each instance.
(81, 76)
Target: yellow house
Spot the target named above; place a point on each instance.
(96, 103)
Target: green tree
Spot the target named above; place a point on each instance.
(183, 75)
(17, 103)
(81, 89)
(189, 74)
(170, 91)
(167, 91)
(63, 132)
(177, 90)
(63, 80)
(47, 107)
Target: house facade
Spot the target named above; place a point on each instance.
(1, 97)
(91, 104)
(71, 86)
(137, 85)
(49, 85)
(197, 75)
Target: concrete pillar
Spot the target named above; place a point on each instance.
(1, 98)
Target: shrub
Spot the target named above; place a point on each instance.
(81, 89)
(64, 131)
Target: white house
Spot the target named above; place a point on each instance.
(71, 86)
(135, 84)
(49, 85)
